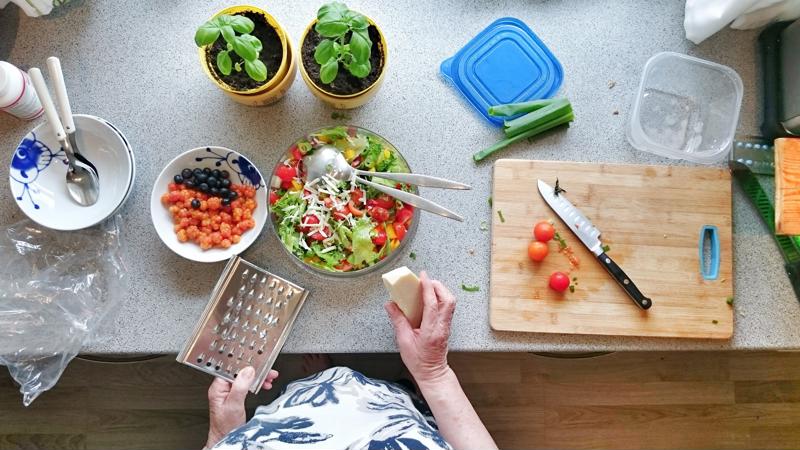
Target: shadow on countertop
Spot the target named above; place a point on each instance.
(9, 22)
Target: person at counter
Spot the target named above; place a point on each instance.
(340, 408)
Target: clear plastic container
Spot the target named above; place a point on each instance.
(685, 108)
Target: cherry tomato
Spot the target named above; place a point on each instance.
(317, 236)
(384, 201)
(378, 213)
(296, 154)
(404, 214)
(273, 197)
(537, 251)
(328, 202)
(286, 175)
(307, 221)
(356, 195)
(544, 231)
(354, 210)
(399, 230)
(559, 281)
(380, 236)
(344, 266)
(340, 213)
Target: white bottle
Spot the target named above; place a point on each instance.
(17, 96)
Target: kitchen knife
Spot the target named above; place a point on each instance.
(590, 236)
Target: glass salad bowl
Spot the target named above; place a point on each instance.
(335, 228)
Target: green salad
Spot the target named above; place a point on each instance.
(339, 226)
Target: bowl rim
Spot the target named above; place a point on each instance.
(122, 199)
(327, 274)
(217, 254)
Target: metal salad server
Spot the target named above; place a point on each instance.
(65, 110)
(328, 160)
(82, 183)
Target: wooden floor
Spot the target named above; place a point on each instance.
(621, 400)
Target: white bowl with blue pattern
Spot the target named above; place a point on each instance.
(242, 172)
(38, 169)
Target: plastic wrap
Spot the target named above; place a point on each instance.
(705, 17)
(56, 291)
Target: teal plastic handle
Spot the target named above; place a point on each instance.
(710, 271)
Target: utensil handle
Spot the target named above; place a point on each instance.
(47, 103)
(65, 110)
(623, 280)
(416, 179)
(413, 200)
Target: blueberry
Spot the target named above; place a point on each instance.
(225, 192)
(214, 191)
(203, 187)
(225, 183)
(195, 203)
(189, 184)
(216, 173)
(197, 171)
(213, 182)
(234, 195)
(187, 173)
(201, 177)
(207, 171)
(226, 201)
(225, 174)
(178, 179)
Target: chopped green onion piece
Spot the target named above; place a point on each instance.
(729, 300)
(413, 256)
(512, 109)
(562, 243)
(558, 108)
(606, 248)
(490, 201)
(572, 288)
(524, 135)
(500, 213)
(470, 288)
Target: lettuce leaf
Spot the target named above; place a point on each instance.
(290, 237)
(283, 207)
(330, 259)
(363, 250)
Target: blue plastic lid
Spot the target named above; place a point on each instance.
(504, 63)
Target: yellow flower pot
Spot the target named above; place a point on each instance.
(348, 101)
(276, 93)
(267, 91)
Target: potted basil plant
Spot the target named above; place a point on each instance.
(247, 54)
(343, 56)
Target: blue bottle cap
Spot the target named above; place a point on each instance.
(504, 63)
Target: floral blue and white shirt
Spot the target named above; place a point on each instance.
(339, 408)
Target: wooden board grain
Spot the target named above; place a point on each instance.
(650, 216)
(787, 186)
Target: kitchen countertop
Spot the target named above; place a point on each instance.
(137, 67)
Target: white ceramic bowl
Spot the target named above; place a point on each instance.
(37, 174)
(242, 172)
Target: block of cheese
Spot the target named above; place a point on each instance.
(787, 186)
(404, 289)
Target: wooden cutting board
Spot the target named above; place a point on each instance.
(651, 217)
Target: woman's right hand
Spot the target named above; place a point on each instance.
(424, 349)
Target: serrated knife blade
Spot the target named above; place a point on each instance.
(589, 235)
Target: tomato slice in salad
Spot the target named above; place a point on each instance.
(399, 230)
(354, 209)
(296, 153)
(378, 213)
(286, 174)
(404, 214)
(344, 266)
(384, 201)
(273, 197)
(380, 236)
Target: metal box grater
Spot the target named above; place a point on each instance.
(245, 323)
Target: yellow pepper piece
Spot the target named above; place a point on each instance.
(386, 153)
(296, 185)
(349, 154)
(390, 232)
(394, 244)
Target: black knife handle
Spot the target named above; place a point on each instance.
(624, 281)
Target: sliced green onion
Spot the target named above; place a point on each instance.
(524, 135)
(470, 288)
(558, 108)
(512, 109)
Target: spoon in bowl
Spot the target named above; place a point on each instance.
(82, 183)
(328, 160)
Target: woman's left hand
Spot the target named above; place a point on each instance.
(226, 403)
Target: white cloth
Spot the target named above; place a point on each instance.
(703, 18)
(33, 8)
(339, 408)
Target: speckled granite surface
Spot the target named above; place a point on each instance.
(134, 63)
